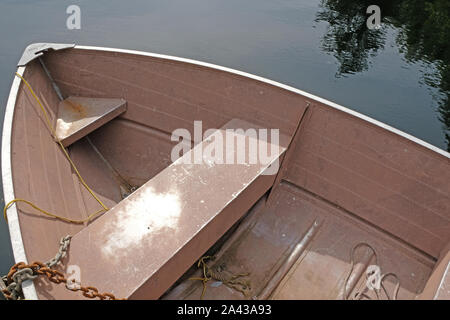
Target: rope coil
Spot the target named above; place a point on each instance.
(234, 281)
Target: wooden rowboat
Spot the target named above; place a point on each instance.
(343, 181)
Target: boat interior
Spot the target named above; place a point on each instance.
(349, 193)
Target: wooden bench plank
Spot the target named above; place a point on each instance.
(147, 241)
(79, 116)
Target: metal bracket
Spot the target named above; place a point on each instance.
(36, 50)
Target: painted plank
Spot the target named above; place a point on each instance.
(147, 241)
(79, 116)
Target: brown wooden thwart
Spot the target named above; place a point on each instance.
(149, 239)
(344, 179)
(79, 116)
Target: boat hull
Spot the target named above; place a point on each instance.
(382, 178)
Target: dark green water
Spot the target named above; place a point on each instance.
(398, 74)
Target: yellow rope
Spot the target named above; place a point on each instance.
(53, 132)
(48, 213)
(233, 282)
(205, 279)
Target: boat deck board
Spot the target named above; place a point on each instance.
(321, 269)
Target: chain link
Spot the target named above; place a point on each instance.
(62, 252)
(11, 284)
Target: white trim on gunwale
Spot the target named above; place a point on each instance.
(8, 188)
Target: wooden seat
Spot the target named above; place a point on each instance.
(79, 116)
(151, 238)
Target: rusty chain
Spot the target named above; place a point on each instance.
(11, 284)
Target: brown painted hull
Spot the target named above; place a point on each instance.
(363, 181)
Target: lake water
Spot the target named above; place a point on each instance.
(397, 74)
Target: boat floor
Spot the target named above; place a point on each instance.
(268, 234)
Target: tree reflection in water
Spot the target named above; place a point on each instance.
(423, 35)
